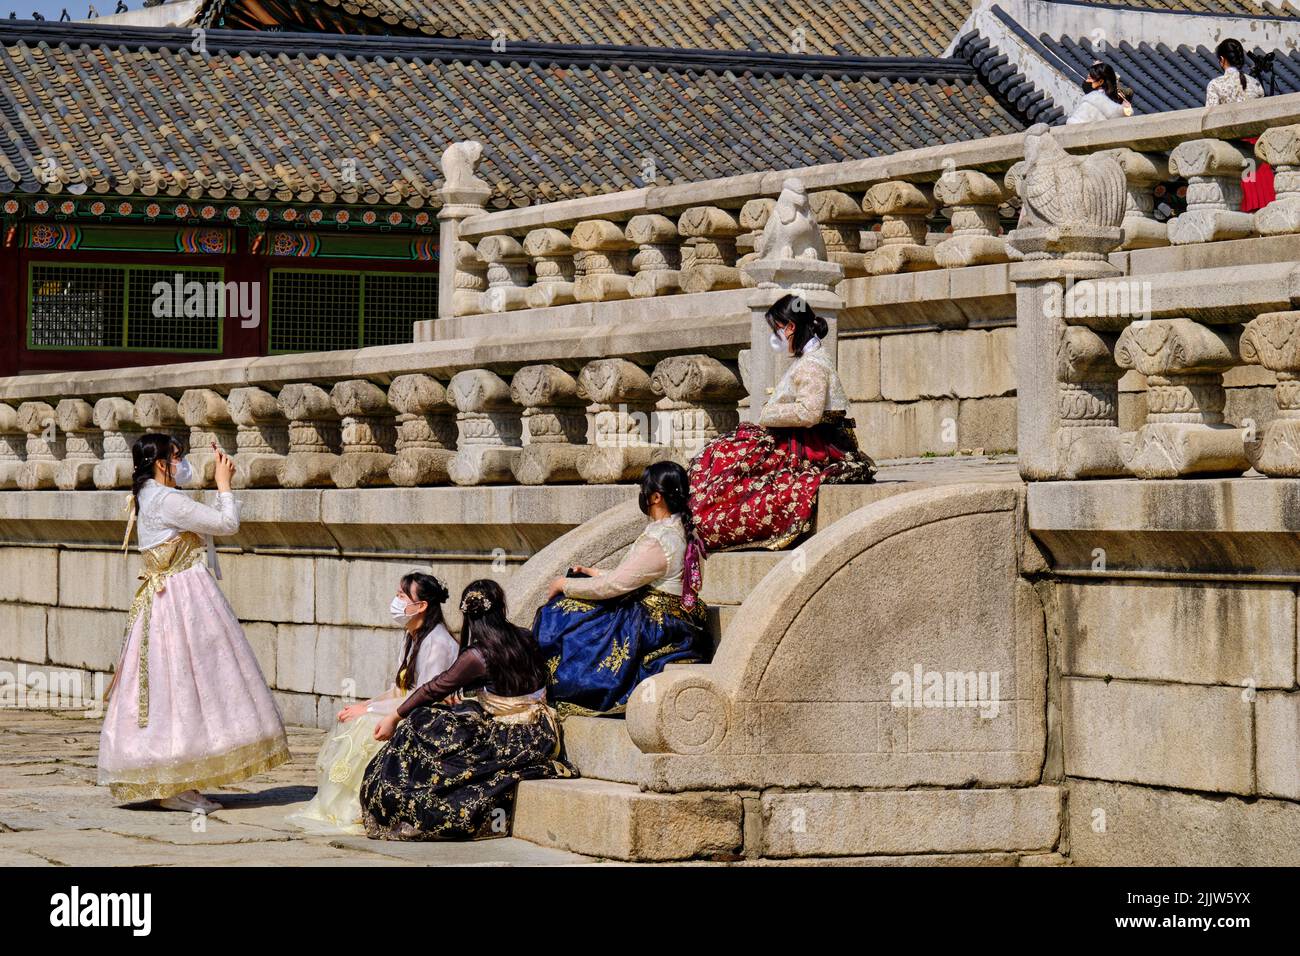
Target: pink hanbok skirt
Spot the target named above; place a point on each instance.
(203, 715)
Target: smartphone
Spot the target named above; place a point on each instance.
(575, 573)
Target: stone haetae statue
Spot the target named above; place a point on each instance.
(1058, 189)
(460, 185)
(791, 231)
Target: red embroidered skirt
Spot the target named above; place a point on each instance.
(758, 486)
(1258, 191)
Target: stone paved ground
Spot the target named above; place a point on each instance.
(52, 814)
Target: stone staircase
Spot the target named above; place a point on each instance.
(607, 813)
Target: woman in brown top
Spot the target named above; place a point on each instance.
(459, 744)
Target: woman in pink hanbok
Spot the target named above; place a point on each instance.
(188, 707)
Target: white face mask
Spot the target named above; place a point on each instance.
(777, 341)
(398, 611)
(182, 473)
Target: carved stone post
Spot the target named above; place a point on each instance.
(552, 254)
(556, 423)
(903, 208)
(507, 274)
(1184, 433)
(1142, 173)
(314, 439)
(1280, 148)
(791, 258)
(711, 235)
(489, 428)
(13, 447)
(208, 415)
(1066, 395)
(1273, 341)
(45, 446)
(367, 434)
(469, 280)
(622, 415)
(602, 261)
(84, 444)
(842, 220)
(1212, 168)
(116, 420)
(261, 437)
(753, 219)
(974, 199)
(426, 433)
(658, 260)
(157, 412)
(700, 395)
(463, 195)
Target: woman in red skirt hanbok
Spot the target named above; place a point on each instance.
(757, 486)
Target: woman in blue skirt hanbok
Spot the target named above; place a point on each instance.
(603, 632)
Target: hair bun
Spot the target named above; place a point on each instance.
(475, 604)
(819, 327)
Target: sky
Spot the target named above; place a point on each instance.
(51, 9)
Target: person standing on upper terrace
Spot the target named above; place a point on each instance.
(1102, 97)
(757, 485)
(1233, 86)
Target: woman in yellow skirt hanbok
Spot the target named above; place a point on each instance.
(429, 650)
(188, 707)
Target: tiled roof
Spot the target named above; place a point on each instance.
(852, 27)
(1274, 9)
(1001, 75)
(260, 119)
(1162, 78)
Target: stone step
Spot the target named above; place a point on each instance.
(600, 748)
(729, 576)
(617, 821)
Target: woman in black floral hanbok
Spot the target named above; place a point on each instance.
(462, 742)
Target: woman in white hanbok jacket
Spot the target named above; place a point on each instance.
(188, 707)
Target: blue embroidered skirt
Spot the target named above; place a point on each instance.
(598, 651)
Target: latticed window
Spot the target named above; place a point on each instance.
(320, 311)
(124, 308)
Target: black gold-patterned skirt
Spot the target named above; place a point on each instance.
(450, 772)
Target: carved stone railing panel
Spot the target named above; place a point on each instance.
(1280, 148)
(1213, 169)
(842, 221)
(658, 260)
(507, 273)
(1142, 173)
(974, 199)
(602, 261)
(426, 431)
(711, 236)
(158, 412)
(13, 446)
(1273, 341)
(83, 444)
(699, 401)
(555, 421)
(622, 410)
(115, 417)
(45, 446)
(488, 426)
(1184, 434)
(208, 415)
(753, 219)
(314, 440)
(261, 437)
(552, 253)
(367, 434)
(903, 208)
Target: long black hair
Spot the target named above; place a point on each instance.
(419, 586)
(807, 323)
(670, 480)
(1234, 54)
(1104, 74)
(514, 661)
(150, 448)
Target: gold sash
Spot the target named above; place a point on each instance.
(160, 562)
(524, 709)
